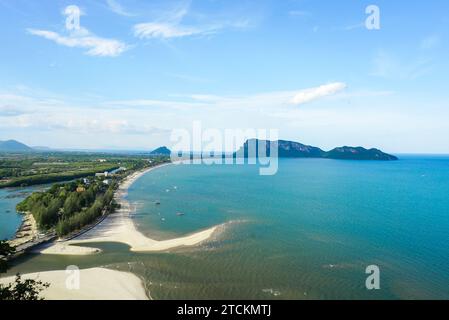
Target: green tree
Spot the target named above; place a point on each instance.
(49, 216)
(27, 289)
(5, 250)
(71, 205)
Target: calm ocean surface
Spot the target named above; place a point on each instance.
(308, 232)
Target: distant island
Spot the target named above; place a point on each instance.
(162, 151)
(291, 149)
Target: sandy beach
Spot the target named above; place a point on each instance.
(101, 283)
(119, 227)
(94, 284)
(27, 231)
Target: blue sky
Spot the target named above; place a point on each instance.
(138, 69)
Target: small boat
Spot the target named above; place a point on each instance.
(180, 214)
(158, 202)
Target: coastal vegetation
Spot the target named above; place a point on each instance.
(70, 206)
(27, 289)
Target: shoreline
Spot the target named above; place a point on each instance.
(26, 232)
(94, 284)
(119, 227)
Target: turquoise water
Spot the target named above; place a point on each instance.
(308, 232)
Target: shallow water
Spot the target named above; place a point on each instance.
(308, 232)
(10, 220)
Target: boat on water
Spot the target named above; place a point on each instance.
(180, 214)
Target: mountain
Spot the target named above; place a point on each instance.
(291, 149)
(359, 153)
(13, 146)
(286, 149)
(162, 151)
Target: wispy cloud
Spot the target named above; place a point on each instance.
(166, 30)
(48, 113)
(45, 118)
(270, 100)
(117, 8)
(171, 25)
(386, 65)
(299, 13)
(350, 27)
(83, 38)
(11, 111)
(311, 94)
(430, 42)
(96, 46)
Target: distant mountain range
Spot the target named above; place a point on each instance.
(13, 146)
(286, 149)
(291, 149)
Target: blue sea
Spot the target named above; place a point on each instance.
(308, 232)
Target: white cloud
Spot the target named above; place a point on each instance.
(311, 94)
(117, 8)
(263, 100)
(82, 38)
(96, 46)
(170, 25)
(351, 117)
(165, 30)
(49, 114)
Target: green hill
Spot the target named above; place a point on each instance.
(13, 146)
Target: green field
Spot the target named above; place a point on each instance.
(26, 169)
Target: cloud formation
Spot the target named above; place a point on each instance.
(117, 8)
(170, 25)
(165, 30)
(96, 46)
(311, 94)
(78, 37)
